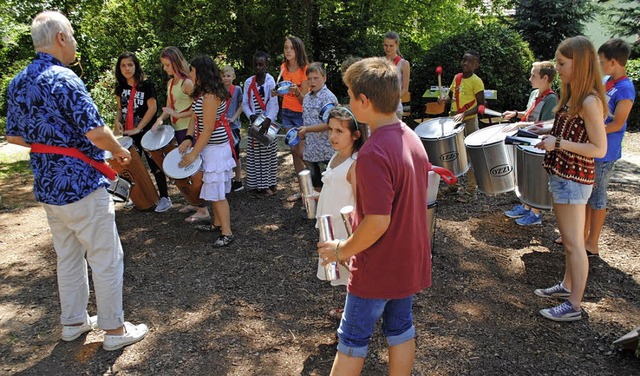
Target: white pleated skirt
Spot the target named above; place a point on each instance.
(217, 168)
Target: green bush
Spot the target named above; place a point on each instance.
(633, 71)
(505, 64)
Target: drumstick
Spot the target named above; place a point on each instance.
(439, 73)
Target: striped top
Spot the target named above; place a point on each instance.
(219, 134)
(564, 163)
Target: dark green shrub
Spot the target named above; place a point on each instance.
(505, 64)
(633, 71)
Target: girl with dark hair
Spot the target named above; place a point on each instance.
(339, 180)
(294, 69)
(214, 144)
(136, 114)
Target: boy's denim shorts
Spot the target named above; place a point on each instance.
(598, 199)
(566, 191)
(291, 119)
(360, 317)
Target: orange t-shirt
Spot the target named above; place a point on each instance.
(290, 102)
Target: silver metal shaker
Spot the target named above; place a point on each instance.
(308, 193)
(331, 271)
(347, 218)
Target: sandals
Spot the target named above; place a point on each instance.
(224, 240)
(187, 209)
(208, 228)
(269, 192)
(195, 218)
(293, 197)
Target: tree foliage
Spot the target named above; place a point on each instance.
(545, 23)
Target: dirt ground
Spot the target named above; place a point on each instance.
(256, 307)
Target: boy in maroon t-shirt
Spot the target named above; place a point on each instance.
(389, 251)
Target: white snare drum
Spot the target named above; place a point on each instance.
(443, 139)
(188, 179)
(159, 143)
(491, 159)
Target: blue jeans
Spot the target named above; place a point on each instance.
(598, 199)
(360, 317)
(291, 119)
(566, 191)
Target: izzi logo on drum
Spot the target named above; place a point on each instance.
(449, 157)
(501, 170)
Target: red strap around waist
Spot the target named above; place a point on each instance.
(104, 168)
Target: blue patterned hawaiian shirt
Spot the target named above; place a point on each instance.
(49, 104)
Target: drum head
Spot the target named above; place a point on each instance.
(126, 142)
(172, 170)
(324, 112)
(283, 87)
(438, 128)
(530, 149)
(161, 137)
(490, 135)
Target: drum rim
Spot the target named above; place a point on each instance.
(168, 171)
(148, 135)
(457, 129)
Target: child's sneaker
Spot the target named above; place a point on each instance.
(557, 291)
(517, 211)
(563, 312)
(530, 219)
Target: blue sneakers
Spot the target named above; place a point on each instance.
(530, 219)
(563, 312)
(517, 211)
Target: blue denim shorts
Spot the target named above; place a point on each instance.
(291, 119)
(566, 191)
(598, 199)
(360, 317)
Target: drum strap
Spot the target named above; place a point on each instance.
(538, 100)
(128, 124)
(396, 60)
(456, 94)
(223, 121)
(253, 88)
(611, 83)
(104, 168)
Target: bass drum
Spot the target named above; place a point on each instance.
(532, 180)
(143, 193)
(443, 139)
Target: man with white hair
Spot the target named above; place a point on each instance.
(50, 110)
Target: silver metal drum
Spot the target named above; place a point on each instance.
(491, 159)
(532, 180)
(443, 139)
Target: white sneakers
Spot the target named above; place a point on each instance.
(69, 333)
(133, 334)
(163, 205)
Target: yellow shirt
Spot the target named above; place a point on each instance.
(467, 91)
(181, 102)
